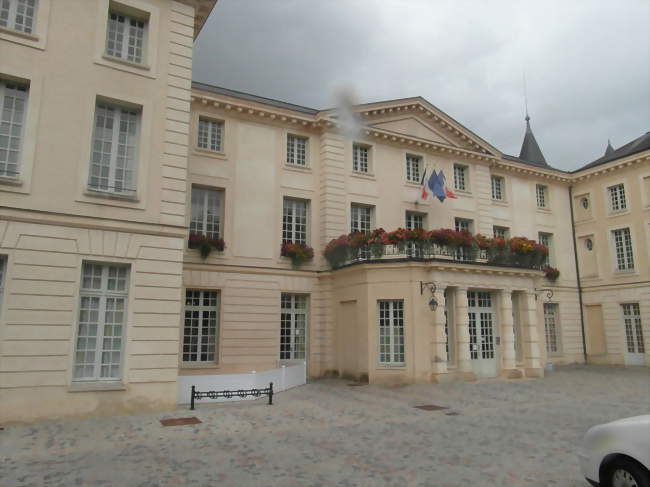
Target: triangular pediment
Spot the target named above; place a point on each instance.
(413, 127)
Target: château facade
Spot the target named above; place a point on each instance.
(142, 218)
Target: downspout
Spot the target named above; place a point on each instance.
(575, 257)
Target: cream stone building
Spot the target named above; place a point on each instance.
(106, 173)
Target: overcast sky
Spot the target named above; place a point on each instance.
(586, 63)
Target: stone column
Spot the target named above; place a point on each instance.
(532, 355)
(462, 335)
(508, 353)
(439, 340)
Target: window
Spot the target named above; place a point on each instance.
(207, 206)
(201, 330)
(210, 135)
(633, 329)
(296, 150)
(360, 158)
(463, 224)
(115, 141)
(293, 326)
(13, 101)
(125, 37)
(542, 196)
(460, 177)
(294, 221)
(589, 243)
(498, 188)
(413, 221)
(550, 327)
(18, 15)
(391, 332)
(585, 203)
(617, 201)
(3, 272)
(546, 239)
(102, 319)
(413, 164)
(500, 232)
(623, 246)
(360, 218)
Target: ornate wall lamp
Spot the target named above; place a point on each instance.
(549, 293)
(431, 286)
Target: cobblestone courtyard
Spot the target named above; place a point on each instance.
(514, 433)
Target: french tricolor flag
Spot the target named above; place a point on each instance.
(424, 194)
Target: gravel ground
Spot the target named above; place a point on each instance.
(501, 433)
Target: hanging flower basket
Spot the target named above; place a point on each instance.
(551, 273)
(205, 244)
(298, 253)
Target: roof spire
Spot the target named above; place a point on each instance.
(530, 150)
(609, 148)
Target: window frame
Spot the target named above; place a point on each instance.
(394, 350)
(545, 199)
(506, 231)
(623, 256)
(553, 338)
(12, 13)
(293, 231)
(19, 87)
(359, 206)
(130, 14)
(103, 294)
(461, 170)
(357, 146)
(201, 308)
(547, 237)
(294, 311)
(637, 325)
(501, 189)
(211, 136)
(221, 199)
(293, 141)
(459, 221)
(411, 175)
(122, 109)
(616, 192)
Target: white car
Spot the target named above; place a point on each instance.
(617, 454)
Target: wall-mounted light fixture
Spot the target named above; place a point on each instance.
(431, 286)
(549, 293)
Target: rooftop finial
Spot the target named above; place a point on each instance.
(526, 100)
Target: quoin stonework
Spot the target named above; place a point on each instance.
(156, 231)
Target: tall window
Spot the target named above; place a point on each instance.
(210, 135)
(294, 221)
(546, 239)
(13, 102)
(550, 327)
(115, 144)
(413, 168)
(460, 177)
(633, 329)
(623, 246)
(500, 232)
(542, 195)
(360, 158)
(125, 37)
(463, 224)
(102, 319)
(18, 15)
(293, 326)
(498, 188)
(617, 201)
(201, 330)
(296, 150)
(361, 218)
(413, 221)
(391, 332)
(207, 208)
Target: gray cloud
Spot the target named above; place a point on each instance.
(587, 62)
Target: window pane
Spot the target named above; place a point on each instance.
(125, 37)
(296, 150)
(210, 135)
(293, 326)
(207, 208)
(360, 158)
(13, 101)
(200, 328)
(294, 221)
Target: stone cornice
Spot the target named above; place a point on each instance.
(616, 165)
(523, 169)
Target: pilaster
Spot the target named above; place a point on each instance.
(532, 355)
(462, 334)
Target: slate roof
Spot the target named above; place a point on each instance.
(530, 150)
(639, 144)
(247, 96)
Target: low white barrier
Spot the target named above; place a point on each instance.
(284, 378)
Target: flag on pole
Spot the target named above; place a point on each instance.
(448, 192)
(425, 194)
(436, 185)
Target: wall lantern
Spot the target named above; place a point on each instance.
(549, 293)
(431, 286)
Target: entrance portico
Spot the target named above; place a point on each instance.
(461, 326)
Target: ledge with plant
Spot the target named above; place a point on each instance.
(299, 253)
(205, 245)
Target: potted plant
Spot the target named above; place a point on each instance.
(205, 244)
(299, 253)
(375, 242)
(337, 251)
(551, 273)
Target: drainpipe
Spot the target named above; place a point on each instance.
(575, 255)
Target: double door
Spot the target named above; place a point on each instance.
(482, 340)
